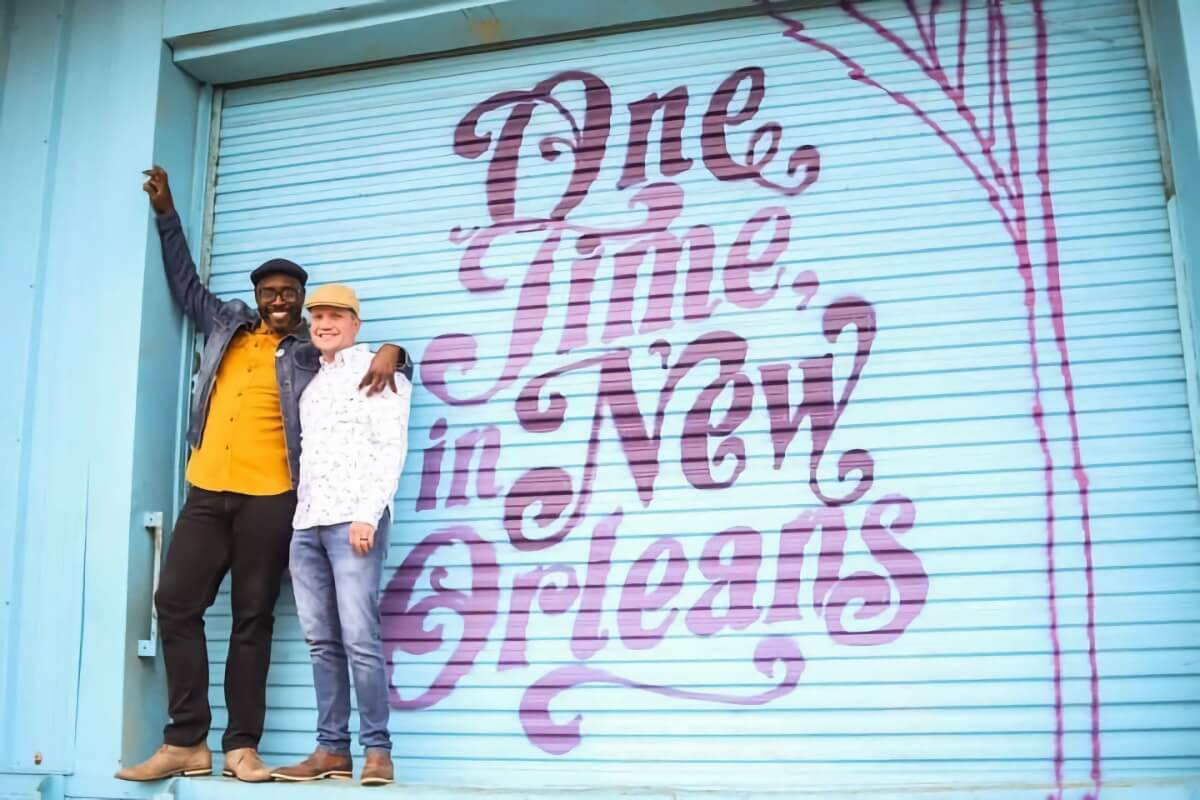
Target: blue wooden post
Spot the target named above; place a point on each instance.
(89, 415)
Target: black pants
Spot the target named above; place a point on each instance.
(219, 533)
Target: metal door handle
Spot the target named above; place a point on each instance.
(148, 648)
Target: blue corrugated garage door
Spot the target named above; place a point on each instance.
(801, 397)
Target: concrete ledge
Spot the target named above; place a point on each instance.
(31, 787)
(218, 788)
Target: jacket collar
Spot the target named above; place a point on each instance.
(301, 333)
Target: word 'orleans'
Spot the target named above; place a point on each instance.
(686, 285)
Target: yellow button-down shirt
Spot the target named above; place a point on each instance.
(243, 448)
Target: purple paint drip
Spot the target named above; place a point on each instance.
(1054, 289)
(1016, 225)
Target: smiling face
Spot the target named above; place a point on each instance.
(333, 329)
(280, 298)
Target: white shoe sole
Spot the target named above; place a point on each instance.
(335, 774)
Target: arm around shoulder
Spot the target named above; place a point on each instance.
(391, 363)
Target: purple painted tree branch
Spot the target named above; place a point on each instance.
(1005, 192)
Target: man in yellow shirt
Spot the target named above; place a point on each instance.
(237, 519)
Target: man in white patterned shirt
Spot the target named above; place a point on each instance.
(352, 452)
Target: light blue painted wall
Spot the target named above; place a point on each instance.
(1189, 29)
(90, 97)
(181, 18)
(38, 689)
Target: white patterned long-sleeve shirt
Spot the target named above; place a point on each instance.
(352, 447)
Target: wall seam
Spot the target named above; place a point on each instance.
(34, 353)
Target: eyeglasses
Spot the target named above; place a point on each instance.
(267, 294)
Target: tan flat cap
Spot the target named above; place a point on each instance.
(337, 295)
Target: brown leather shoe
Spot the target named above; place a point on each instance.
(169, 761)
(244, 764)
(378, 769)
(320, 764)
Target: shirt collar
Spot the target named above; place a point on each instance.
(301, 333)
(339, 358)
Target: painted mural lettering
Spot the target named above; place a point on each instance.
(475, 607)
(718, 118)
(591, 303)
(484, 441)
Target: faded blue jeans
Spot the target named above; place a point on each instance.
(337, 597)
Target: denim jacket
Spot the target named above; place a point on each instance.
(296, 359)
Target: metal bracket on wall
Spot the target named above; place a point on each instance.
(148, 648)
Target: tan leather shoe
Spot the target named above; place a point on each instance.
(245, 765)
(378, 769)
(320, 764)
(169, 761)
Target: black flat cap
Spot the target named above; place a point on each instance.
(279, 266)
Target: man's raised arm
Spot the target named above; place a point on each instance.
(192, 296)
